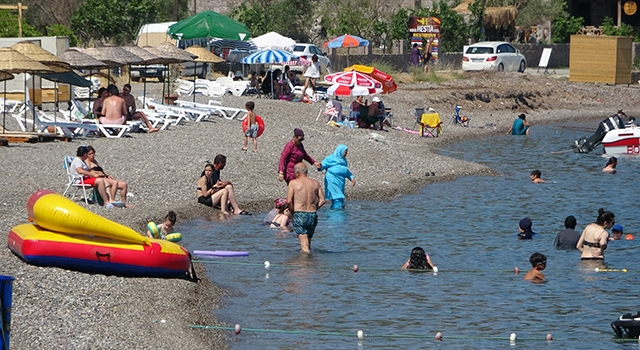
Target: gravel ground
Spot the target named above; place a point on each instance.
(55, 308)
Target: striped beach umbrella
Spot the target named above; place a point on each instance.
(353, 78)
(351, 90)
(269, 56)
(346, 41)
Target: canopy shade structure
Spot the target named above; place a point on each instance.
(269, 56)
(4, 76)
(13, 61)
(346, 41)
(146, 56)
(274, 41)
(80, 60)
(67, 78)
(388, 84)
(203, 54)
(111, 62)
(208, 24)
(43, 56)
(114, 53)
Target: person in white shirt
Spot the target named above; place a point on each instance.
(311, 74)
(91, 177)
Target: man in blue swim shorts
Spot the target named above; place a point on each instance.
(304, 197)
(520, 126)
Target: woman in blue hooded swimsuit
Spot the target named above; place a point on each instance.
(334, 179)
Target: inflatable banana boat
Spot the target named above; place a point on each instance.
(64, 234)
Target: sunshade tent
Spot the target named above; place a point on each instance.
(203, 55)
(347, 41)
(208, 24)
(388, 84)
(147, 57)
(274, 41)
(171, 55)
(12, 61)
(55, 63)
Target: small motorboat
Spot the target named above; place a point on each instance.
(627, 325)
(622, 141)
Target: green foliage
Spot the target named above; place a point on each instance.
(9, 26)
(60, 30)
(286, 17)
(118, 21)
(609, 28)
(365, 18)
(399, 25)
(476, 20)
(534, 12)
(563, 27)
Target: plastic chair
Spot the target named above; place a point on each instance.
(75, 180)
(430, 124)
(417, 113)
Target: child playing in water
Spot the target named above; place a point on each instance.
(418, 260)
(538, 263)
(252, 128)
(611, 165)
(535, 177)
(161, 231)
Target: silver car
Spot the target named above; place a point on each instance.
(493, 55)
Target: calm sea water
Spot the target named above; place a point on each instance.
(469, 229)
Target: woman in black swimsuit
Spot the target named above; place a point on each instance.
(92, 163)
(209, 194)
(594, 238)
(283, 216)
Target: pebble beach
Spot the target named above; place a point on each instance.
(56, 308)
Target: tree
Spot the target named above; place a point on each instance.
(609, 28)
(476, 21)
(9, 26)
(368, 19)
(564, 27)
(287, 17)
(60, 30)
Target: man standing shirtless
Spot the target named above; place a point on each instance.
(305, 197)
(114, 109)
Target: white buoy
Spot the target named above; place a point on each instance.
(267, 264)
(355, 268)
(360, 335)
(512, 338)
(435, 269)
(163, 321)
(597, 269)
(237, 329)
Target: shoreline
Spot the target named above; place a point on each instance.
(162, 170)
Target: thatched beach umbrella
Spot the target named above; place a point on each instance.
(12, 61)
(172, 55)
(148, 58)
(205, 56)
(80, 60)
(43, 56)
(117, 52)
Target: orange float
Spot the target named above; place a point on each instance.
(245, 125)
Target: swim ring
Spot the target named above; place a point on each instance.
(153, 228)
(245, 124)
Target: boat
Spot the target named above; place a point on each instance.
(63, 234)
(622, 141)
(627, 324)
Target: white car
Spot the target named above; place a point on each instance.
(493, 55)
(307, 51)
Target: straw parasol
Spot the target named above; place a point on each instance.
(117, 53)
(203, 55)
(4, 76)
(112, 62)
(171, 54)
(12, 61)
(148, 57)
(81, 60)
(43, 56)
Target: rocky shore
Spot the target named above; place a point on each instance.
(55, 308)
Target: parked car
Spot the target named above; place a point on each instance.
(493, 55)
(307, 51)
(158, 71)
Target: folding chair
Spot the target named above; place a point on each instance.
(457, 119)
(417, 113)
(76, 181)
(430, 124)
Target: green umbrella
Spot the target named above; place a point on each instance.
(208, 24)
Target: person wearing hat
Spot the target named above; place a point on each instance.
(617, 231)
(567, 238)
(520, 126)
(292, 154)
(525, 229)
(375, 111)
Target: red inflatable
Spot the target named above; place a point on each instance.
(245, 123)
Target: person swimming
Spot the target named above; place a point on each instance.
(418, 260)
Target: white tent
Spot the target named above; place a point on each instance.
(274, 41)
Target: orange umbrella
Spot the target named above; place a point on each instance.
(388, 85)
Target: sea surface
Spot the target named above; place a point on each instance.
(469, 229)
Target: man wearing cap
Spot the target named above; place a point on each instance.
(525, 229)
(567, 238)
(374, 110)
(520, 126)
(292, 154)
(617, 232)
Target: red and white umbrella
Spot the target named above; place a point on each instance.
(354, 90)
(354, 79)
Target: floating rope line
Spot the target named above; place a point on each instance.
(364, 335)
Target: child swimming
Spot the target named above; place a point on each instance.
(538, 263)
